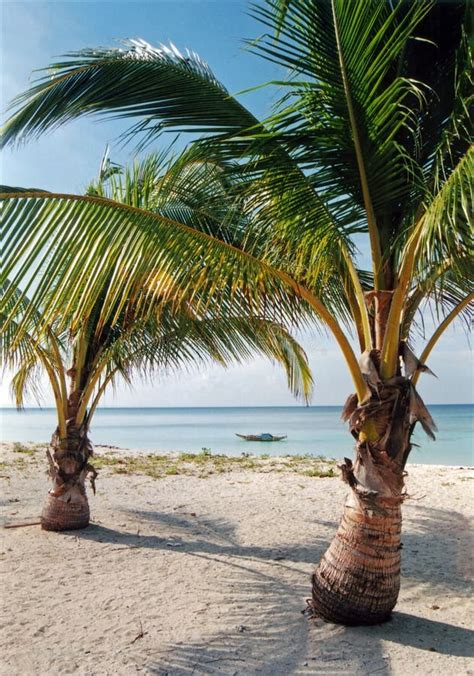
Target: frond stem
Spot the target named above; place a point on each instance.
(440, 330)
(394, 327)
(346, 349)
(421, 291)
(60, 404)
(360, 299)
(99, 394)
(60, 369)
(369, 209)
(87, 393)
(392, 332)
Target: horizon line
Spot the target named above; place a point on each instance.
(141, 408)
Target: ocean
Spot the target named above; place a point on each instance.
(317, 430)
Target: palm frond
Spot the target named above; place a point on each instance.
(446, 225)
(139, 257)
(23, 352)
(26, 382)
(160, 85)
(165, 87)
(345, 107)
(178, 341)
(442, 59)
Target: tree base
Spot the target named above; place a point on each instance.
(351, 612)
(358, 579)
(58, 515)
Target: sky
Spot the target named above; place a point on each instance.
(34, 33)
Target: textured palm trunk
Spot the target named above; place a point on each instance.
(358, 579)
(66, 506)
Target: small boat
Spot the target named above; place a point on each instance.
(261, 437)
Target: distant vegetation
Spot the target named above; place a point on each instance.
(203, 464)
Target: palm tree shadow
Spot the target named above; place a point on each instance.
(266, 633)
(427, 536)
(422, 633)
(263, 591)
(206, 537)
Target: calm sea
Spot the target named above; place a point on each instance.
(316, 429)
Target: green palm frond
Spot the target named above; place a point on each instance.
(447, 224)
(20, 347)
(119, 333)
(345, 107)
(175, 90)
(444, 286)
(26, 382)
(160, 85)
(443, 60)
(190, 188)
(370, 134)
(24, 353)
(139, 257)
(178, 342)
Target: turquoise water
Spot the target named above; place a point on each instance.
(316, 429)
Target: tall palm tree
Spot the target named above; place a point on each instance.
(370, 135)
(83, 360)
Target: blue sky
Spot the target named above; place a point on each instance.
(35, 33)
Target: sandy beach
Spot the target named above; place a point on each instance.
(201, 574)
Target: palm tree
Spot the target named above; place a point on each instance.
(82, 361)
(370, 136)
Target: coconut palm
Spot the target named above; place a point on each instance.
(83, 361)
(370, 136)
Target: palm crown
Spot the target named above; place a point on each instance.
(370, 134)
(176, 333)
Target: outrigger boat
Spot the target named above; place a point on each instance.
(261, 437)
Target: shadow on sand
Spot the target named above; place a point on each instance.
(265, 587)
(420, 632)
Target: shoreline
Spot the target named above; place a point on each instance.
(185, 573)
(316, 430)
(101, 451)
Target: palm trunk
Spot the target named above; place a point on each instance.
(66, 506)
(358, 579)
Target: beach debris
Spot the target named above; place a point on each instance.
(140, 634)
(309, 613)
(23, 524)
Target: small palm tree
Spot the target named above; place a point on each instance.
(81, 362)
(370, 135)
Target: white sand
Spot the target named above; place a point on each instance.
(214, 572)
